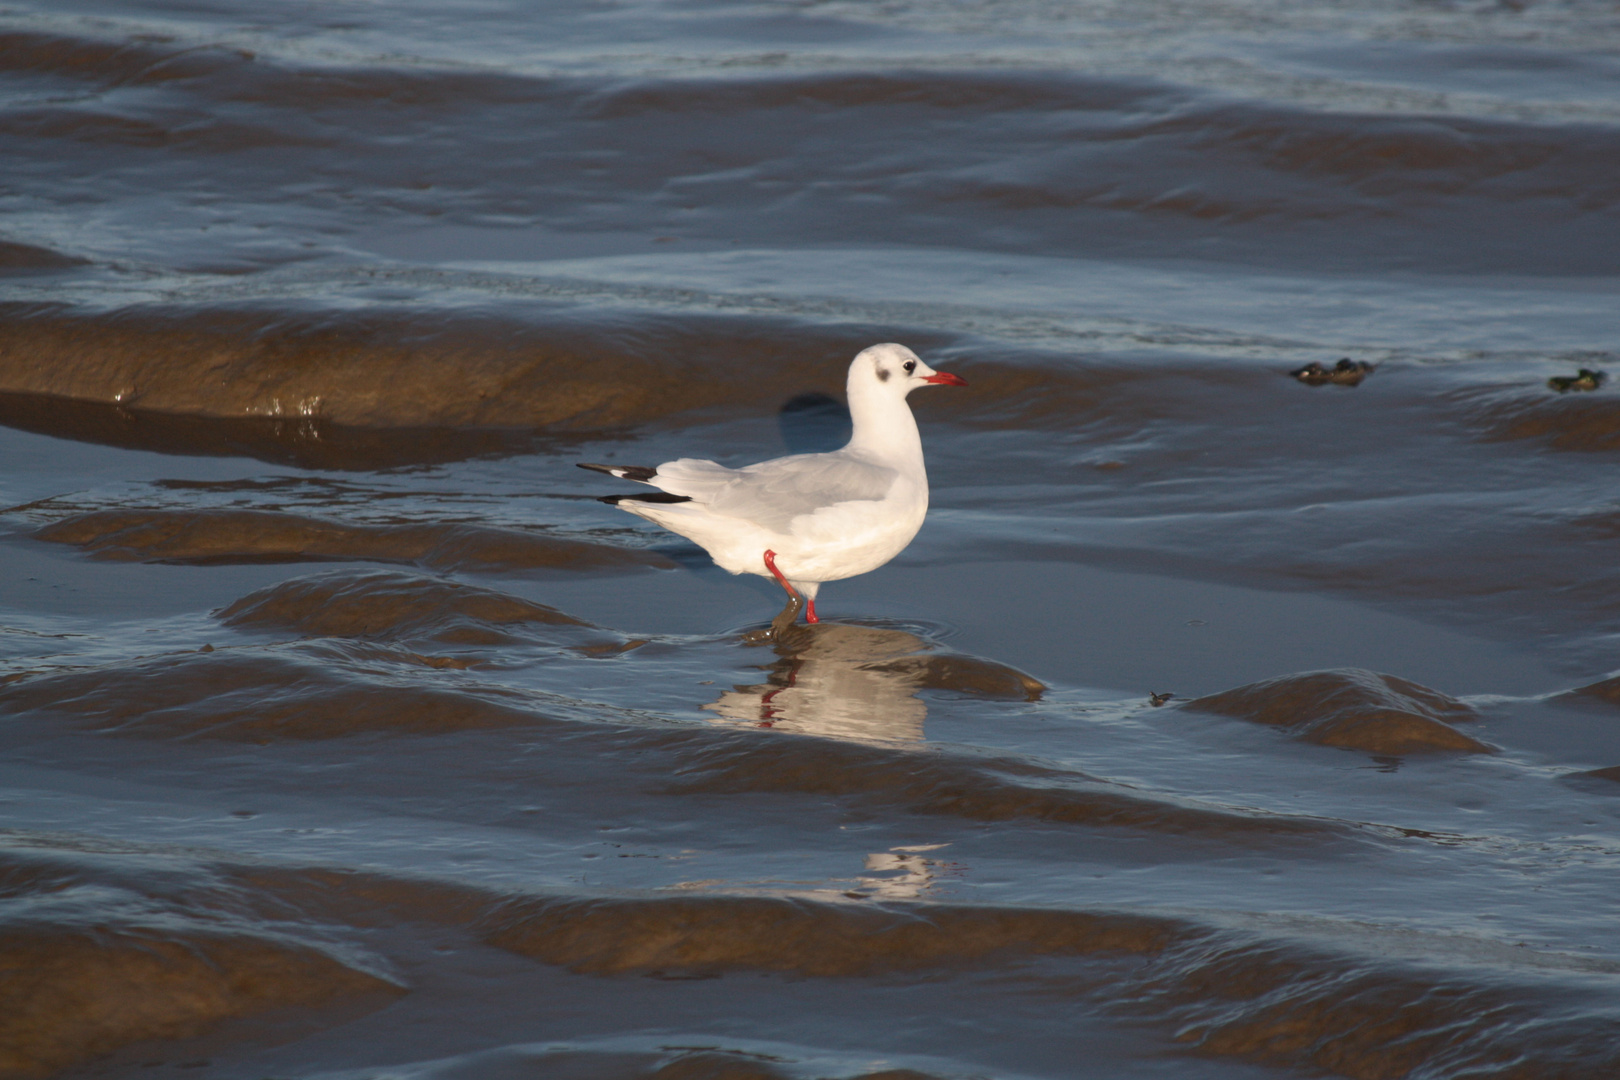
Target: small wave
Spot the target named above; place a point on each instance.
(1405, 156)
(1598, 781)
(232, 536)
(1358, 999)
(996, 789)
(333, 688)
(397, 371)
(106, 129)
(604, 936)
(1351, 709)
(1044, 163)
(96, 952)
(391, 606)
(73, 995)
(953, 92)
(1041, 162)
(27, 258)
(105, 944)
(1579, 423)
(1454, 1008)
(1031, 154)
(322, 690)
(328, 390)
(694, 1057)
(1372, 1003)
(113, 61)
(304, 442)
(1606, 691)
(961, 674)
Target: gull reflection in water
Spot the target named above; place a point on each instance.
(902, 873)
(832, 679)
(861, 682)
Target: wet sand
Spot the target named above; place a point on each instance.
(1219, 723)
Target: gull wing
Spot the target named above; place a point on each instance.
(773, 493)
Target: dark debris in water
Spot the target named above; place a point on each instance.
(1583, 379)
(1346, 372)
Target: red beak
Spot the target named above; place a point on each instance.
(946, 379)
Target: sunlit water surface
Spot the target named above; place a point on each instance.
(347, 735)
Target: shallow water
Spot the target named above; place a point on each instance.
(347, 735)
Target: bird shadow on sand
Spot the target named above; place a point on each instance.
(814, 423)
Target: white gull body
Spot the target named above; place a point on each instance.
(809, 517)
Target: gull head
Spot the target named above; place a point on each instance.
(894, 369)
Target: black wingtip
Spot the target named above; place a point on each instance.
(659, 497)
(641, 473)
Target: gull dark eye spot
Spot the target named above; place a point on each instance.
(883, 374)
(911, 365)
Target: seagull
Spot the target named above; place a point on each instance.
(807, 518)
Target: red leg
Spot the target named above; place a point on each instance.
(810, 611)
(770, 564)
(796, 600)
